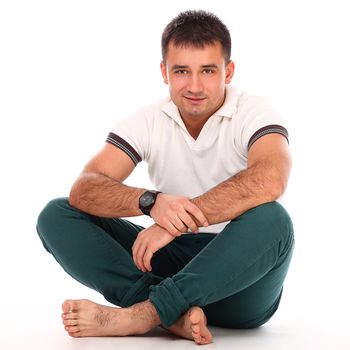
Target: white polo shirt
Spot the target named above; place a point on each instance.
(177, 163)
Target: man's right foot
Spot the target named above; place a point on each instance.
(192, 325)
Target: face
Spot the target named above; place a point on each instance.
(196, 79)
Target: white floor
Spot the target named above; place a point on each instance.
(39, 328)
(313, 313)
(31, 308)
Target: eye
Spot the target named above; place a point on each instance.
(181, 72)
(208, 71)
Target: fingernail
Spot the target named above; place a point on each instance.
(206, 223)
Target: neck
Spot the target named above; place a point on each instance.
(194, 126)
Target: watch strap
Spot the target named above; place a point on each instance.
(147, 210)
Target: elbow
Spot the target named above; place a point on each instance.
(78, 196)
(74, 197)
(276, 180)
(275, 194)
(275, 191)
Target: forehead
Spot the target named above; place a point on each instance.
(195, 56)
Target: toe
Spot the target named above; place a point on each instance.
(72, 329)
(207, 338)
(195, 315)
(196, 336)
(207, 334)
(195, 328)
(75, 335)
(67, 306)
(202, 341)
(70, 322)
(70, 316)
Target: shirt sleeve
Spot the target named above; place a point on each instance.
(132, 134)
(255, 119)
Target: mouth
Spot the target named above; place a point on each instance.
(195, 100)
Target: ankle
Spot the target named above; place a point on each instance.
(144, 313)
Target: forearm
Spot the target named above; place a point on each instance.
(241, 192)
(103, 196)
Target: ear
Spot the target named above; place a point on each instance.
(230, 68)
(164, 72)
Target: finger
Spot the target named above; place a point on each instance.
(188, 221)
(195, 220)
(147, 259)
(139, 256)
(172, 229)
(179, 225)
(136, 250)
(197, 213)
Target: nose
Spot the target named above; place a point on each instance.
(194, 86)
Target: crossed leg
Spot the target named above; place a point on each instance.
(253, 244)
(84, 318)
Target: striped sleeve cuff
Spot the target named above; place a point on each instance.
(124, 146)
(269, 129)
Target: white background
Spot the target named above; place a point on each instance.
(70, 69)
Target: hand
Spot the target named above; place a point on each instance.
(147, 243)
(173, 213)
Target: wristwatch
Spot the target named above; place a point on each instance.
(147, 201)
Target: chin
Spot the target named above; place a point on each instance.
(196, 114)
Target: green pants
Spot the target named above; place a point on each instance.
(235, 276)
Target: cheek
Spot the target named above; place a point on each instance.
(216, 86)
(176, 86)
(217, 90)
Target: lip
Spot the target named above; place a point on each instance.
(194, 99)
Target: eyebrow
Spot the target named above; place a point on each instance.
(178, 66)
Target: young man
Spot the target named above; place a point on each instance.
(220, 246)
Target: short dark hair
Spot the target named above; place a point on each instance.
(196, 28)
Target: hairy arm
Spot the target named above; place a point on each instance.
(101, 195)
(99, 189)
(264, 180)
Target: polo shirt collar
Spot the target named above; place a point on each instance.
(228, 109)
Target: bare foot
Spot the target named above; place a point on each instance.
(84, 318)
(192, 325)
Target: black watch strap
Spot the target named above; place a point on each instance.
(147, 201)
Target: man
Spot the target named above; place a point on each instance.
(220, 246)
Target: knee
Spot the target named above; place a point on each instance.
(275, 216)
(274, 210)
(51, 212)
(271, 220)
(49, 216)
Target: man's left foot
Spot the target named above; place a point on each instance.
(192, 325)
(84, 318)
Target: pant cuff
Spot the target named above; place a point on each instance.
(168, 301)
(140, 290)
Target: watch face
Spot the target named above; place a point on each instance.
(146, 199)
